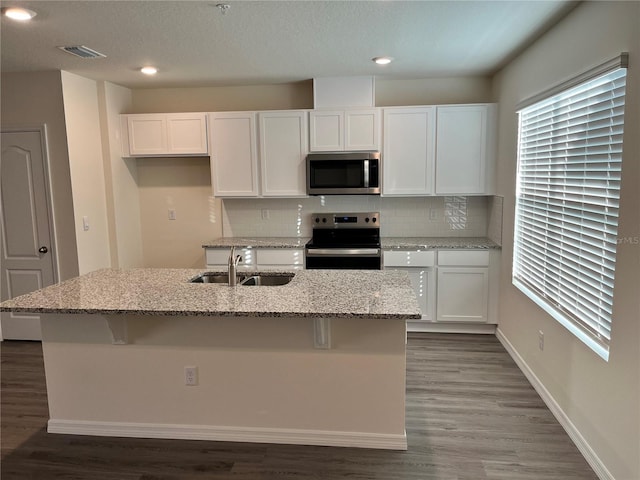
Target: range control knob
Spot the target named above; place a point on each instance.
(317, 219)
(324, 219)
(374, 219)
(366, 219)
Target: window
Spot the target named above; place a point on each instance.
(567, 199)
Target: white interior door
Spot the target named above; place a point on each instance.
(27, 243)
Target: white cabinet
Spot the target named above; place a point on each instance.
(283, 151)
(409, 151)
(218, 259)
(420, 267)
(344, 130)
(253, 259)
(280, 258)
(234, 159)
(463, 286)
(465, 143)
(443, 150)
(164, 134)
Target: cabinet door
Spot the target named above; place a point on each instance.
(283, 151)
(147, 134)
(362, 128)
(423, 282)
(217, 259)
(234, 162)
(187, 133)
(462, 294)
(409, 150)
(461, 155)
(326, 131)
(280, 259)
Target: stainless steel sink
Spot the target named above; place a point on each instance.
(272, 280)
(260, 279)
(209, 277)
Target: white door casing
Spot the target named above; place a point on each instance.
(28, 250)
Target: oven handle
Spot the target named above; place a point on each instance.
(343, 252)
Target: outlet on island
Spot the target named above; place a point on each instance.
(191, 376)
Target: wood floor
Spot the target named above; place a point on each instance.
(471, 415)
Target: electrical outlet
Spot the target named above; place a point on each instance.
(172, 214)
(265, 214)
(433, 214)
(541, 340)
(191, 376)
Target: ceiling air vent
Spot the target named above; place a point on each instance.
(82, 51)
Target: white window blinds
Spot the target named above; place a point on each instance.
(567, 199)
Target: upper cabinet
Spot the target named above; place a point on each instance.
(283, 151)
(234, 160)
(409, 151)
(464, 145)
(344, 130)
(443, 150)
(164, 134)
(266, 158)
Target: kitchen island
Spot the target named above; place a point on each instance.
(320, 360)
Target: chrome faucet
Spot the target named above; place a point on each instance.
(233, 267)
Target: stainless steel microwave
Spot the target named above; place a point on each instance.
(344, 173)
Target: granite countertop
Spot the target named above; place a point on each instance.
(411, 243)
(145, 291)
(398, 243)
(257, 242)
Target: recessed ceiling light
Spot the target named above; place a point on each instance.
(149, 70)
(382, 60)
(18, 13)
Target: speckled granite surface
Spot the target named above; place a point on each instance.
(258, 242)
(311, 294)
(409, 243)
(399, 243)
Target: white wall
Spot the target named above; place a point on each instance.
(432, 91)
(184, 185)
(121, 177)
(84, 140)
(600, 399)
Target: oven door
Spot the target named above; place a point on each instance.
(343, 258)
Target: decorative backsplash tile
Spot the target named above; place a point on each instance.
(494, 223)
(450, 216)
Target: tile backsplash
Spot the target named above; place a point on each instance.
(448, 216)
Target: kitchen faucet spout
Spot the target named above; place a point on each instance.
(233, 266)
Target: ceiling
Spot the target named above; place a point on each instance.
(193, 43)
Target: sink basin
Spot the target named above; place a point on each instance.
(264, 280)
(272, 280)
(209, 277)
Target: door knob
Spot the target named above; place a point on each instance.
(43, 249)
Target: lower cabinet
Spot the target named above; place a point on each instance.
(280, 259)
(254, 259)
(218, 258)
(453, 287)
(421, 269)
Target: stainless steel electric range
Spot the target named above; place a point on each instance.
(344, 241)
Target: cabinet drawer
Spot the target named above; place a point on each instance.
(220, 256)
(409, 258)
(468, 258)
(280, 256)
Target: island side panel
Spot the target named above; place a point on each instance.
(259, 379)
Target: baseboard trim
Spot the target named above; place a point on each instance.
(580, 442)
(433, 327)
(230, 434)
